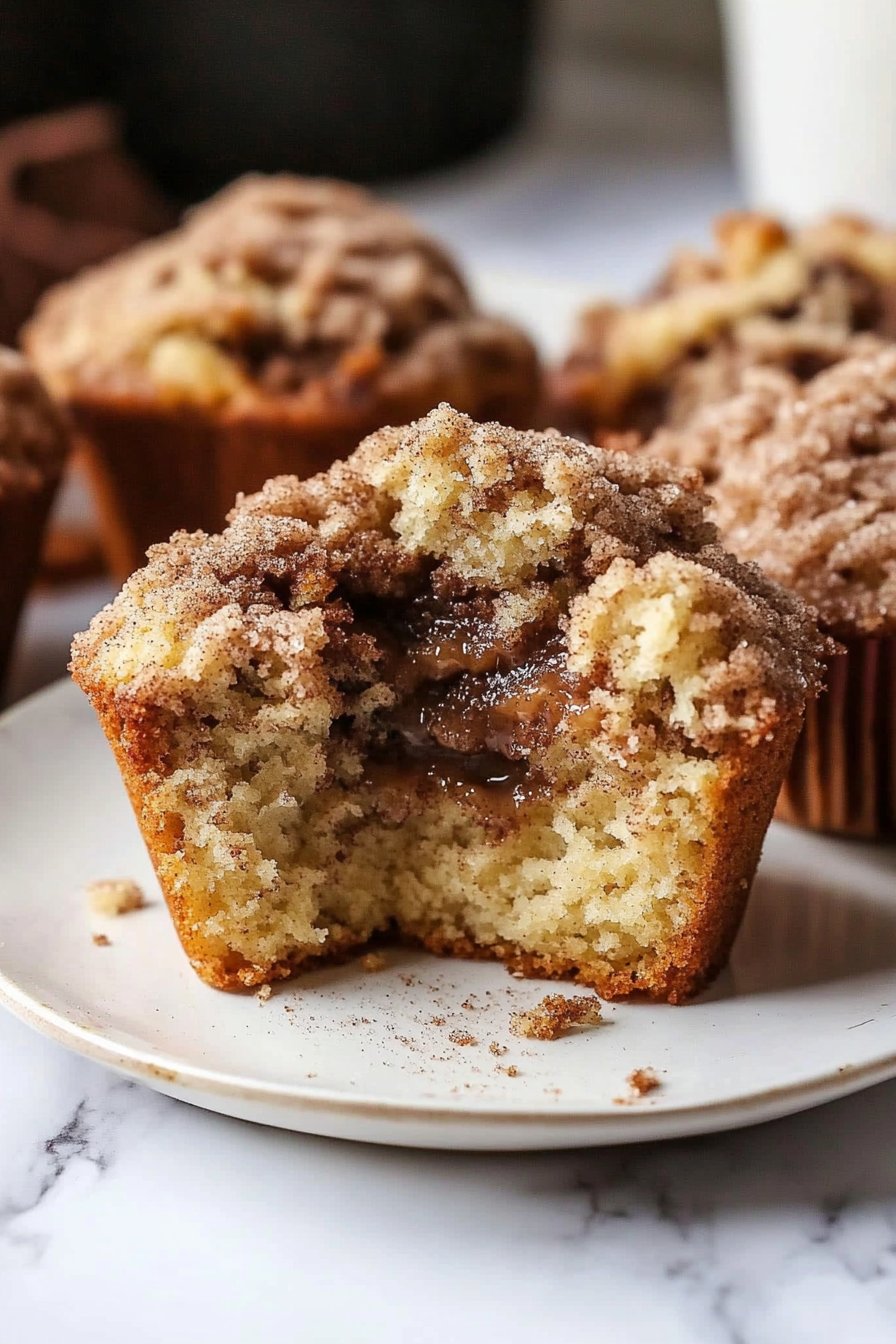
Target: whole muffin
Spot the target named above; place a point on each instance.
(33, 446)
(495, 689)
(282, 321)
(769, 296)
(803, 481)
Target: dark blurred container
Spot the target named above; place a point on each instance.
(49, 56)
(363, 89)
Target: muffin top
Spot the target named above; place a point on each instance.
(766, 296)
(478, 529)
(273, 286)
(803, 479)
(33, 437)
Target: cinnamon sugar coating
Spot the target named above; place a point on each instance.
(33, 437)
(766, 296)
(532, 505)
(275, 286)
(803, 479)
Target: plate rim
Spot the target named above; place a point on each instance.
(159, 1071)
(648, 1121)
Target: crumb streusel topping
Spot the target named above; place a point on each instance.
(803, 478)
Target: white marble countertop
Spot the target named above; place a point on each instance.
(127, 1216)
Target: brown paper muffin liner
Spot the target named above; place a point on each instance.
(843, 775)
(23, 515)
(155, 471)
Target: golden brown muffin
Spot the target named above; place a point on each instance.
(493, 689)
(33, 445)
(803, 481)
(281, 322)
(769, 296)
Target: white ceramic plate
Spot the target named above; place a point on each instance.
(806, 1012)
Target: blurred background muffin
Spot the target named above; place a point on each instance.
(803, 482)
(33, 445)
(768, 295)
(282, 322)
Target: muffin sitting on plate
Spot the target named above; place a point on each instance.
(33, 446)
(803, 481)
(281, 322)
(498, 690)
(768, 296)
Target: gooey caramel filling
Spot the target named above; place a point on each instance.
(472, 705)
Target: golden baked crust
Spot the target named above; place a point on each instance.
(768, 296)
(497, 689)
(305, 297)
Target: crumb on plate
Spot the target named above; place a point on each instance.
(114, 896)
(641, 1082)
(555, 1015)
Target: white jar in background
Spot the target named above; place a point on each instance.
(812, 85)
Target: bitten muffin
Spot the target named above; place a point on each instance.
(281, 322)
(803, 480)
(33, 446)
(768, 296)
(496, 690)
